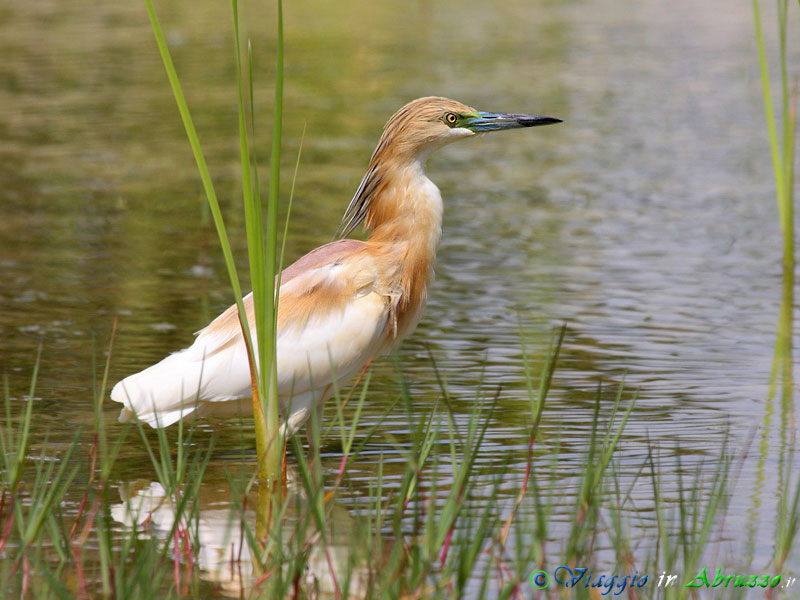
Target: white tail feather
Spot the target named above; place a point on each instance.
(184, 381)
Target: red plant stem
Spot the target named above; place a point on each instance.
(337, 592)
(296, 587)
(77, 556)
(339, 474)
(87, 527)
(26, 573)
(446, 544)
(449, 536)
(520, 496)
(81, 508)
(187, 546)
(342, 465)
(263, 578)
(176, 567)
(9, 521)
(233, 558)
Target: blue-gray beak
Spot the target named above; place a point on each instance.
(488, 121)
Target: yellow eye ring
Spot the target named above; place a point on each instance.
(450, 118)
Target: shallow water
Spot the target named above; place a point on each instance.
(646, 222)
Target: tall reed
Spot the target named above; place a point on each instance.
(261, 240)
(782, 150)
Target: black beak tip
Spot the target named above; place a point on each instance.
(534, 121)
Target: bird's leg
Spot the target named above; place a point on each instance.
(313, 425)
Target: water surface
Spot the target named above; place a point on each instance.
(646, 221)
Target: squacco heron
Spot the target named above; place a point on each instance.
(340, 305)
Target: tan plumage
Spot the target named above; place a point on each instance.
(341, 304)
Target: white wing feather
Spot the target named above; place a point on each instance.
(331, 344)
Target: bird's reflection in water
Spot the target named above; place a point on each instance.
(222, 551)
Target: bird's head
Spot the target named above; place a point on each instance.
(428, 123)
(411, 133)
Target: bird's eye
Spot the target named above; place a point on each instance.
(450, 118)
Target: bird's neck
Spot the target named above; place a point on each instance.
(406, 208)
(405, 215)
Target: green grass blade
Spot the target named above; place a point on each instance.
(22, 446)
(252, 208)
(269, 358)
(777, 165)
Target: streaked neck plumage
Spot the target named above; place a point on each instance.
(395, 184)
(405, 218)
(402, 208)
(407, 207)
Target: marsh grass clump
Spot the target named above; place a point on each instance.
(449, 525)
(53, 548)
